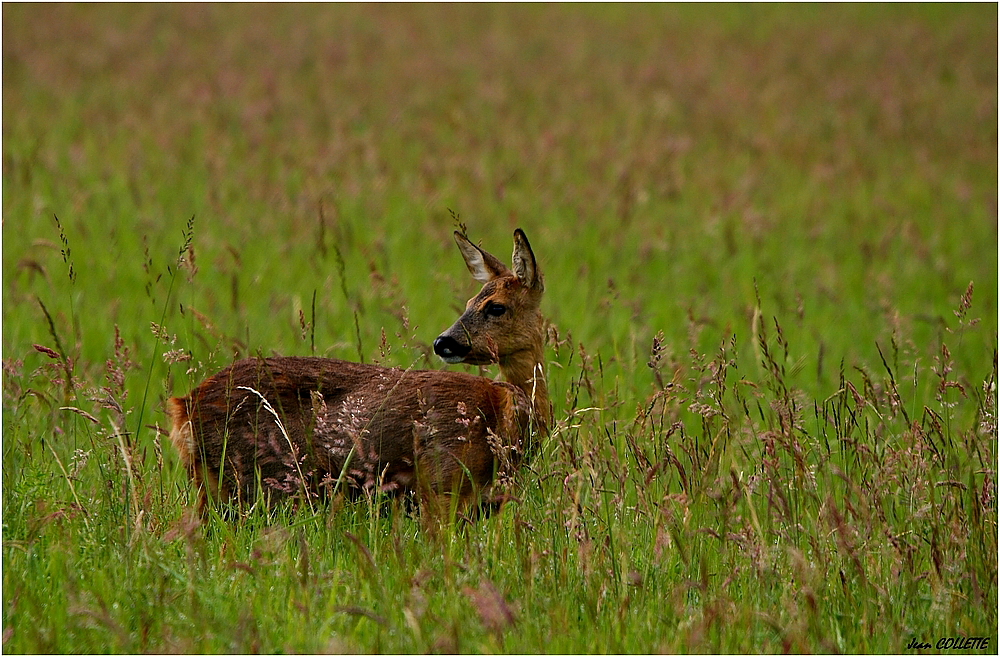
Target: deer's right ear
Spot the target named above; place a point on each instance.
(483, 266)
(525, 267)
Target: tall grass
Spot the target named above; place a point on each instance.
(774, 384)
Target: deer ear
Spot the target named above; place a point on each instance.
(483, 266)
(525, 267)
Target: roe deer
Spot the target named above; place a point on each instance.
(284, 426)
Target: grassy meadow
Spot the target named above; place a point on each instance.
(769, 241)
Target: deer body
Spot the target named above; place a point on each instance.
(286, 426)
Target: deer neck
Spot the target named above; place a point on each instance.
(526, 370)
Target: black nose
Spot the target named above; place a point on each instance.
(449, 348)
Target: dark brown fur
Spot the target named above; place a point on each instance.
(372, 428)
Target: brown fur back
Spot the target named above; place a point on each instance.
(330, 424)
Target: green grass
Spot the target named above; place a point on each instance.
(775, 388)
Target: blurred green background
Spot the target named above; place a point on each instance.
(817, 178)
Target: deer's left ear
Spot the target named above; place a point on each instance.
(525, 267)
(483, 266)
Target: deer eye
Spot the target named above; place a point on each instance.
(495, 309)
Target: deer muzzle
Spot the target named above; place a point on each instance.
(450, 350)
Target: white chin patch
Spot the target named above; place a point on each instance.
(451, 360)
